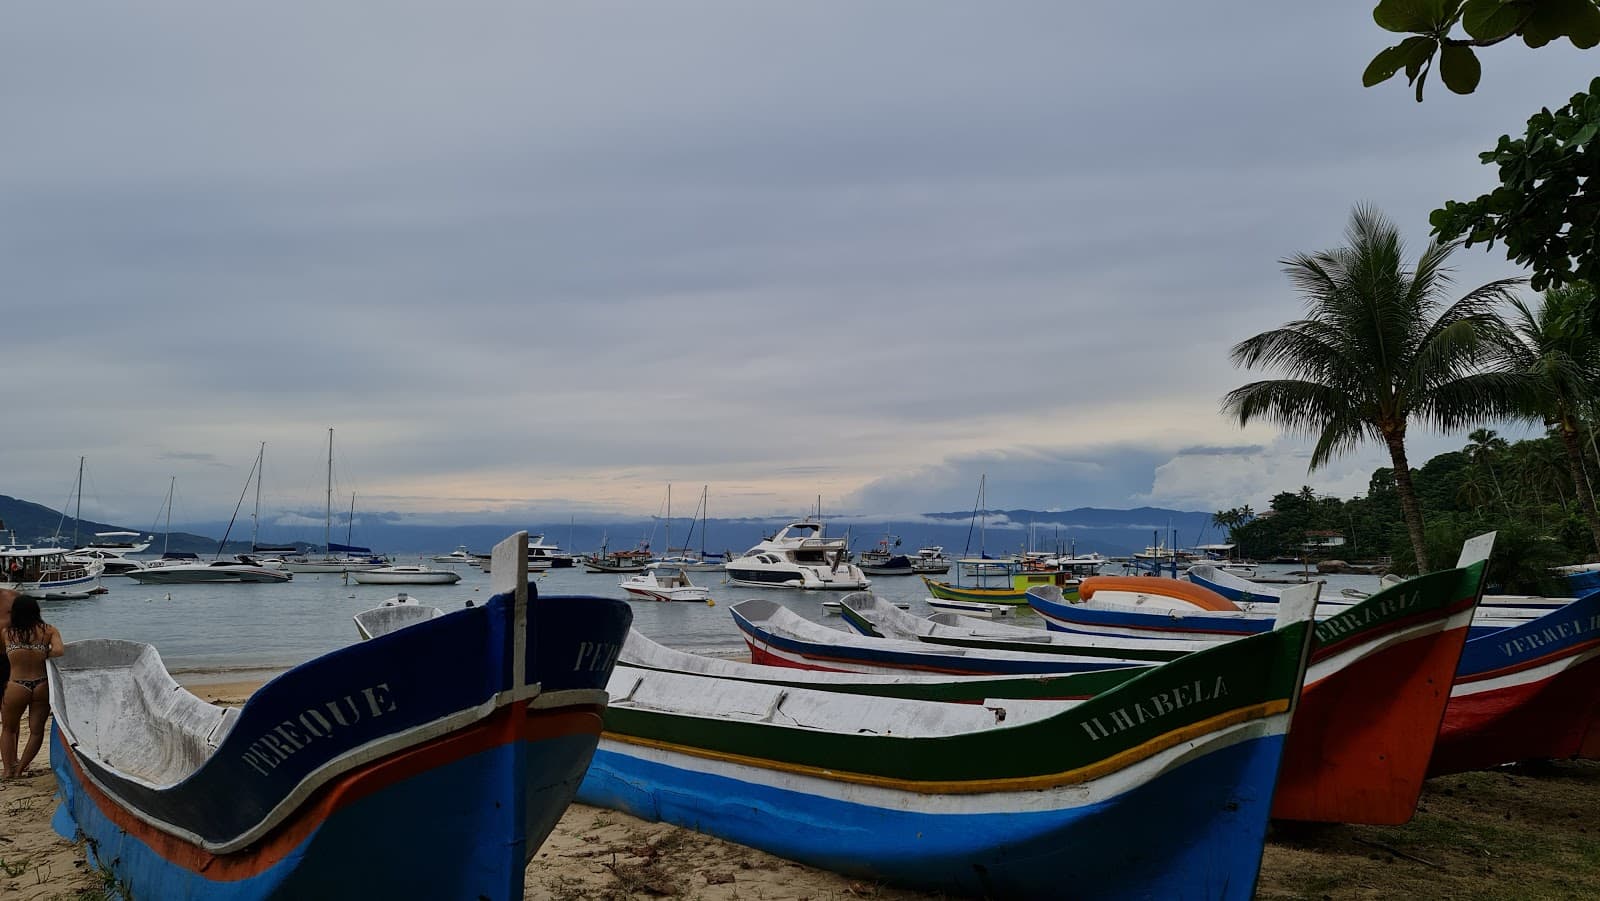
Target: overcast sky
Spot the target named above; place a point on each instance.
(534, 258)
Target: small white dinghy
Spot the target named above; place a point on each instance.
(665, 583)
(395, 613)
(970, 608)
(405, 575)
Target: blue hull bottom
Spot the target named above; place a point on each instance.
(1196, 832)
(449, 832)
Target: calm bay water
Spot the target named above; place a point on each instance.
(233, 627)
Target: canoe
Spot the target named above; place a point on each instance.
(872, 616)
(1375, 695)
(1256, 596)
(970, 608)
(778, 636)
(642, 653)
(328, 782)
(1015, 593)
(1159, 788)
(1528, 692)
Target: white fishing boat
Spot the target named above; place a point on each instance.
(970, 608)
(45, 573)
(405, 575)
(798, 557)
(665, 583)
(930, 561)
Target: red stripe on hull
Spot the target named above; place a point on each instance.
(762, 656)
(1555, 718)
(1361, 738)
(504, 726)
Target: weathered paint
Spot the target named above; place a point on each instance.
(329, 762)
(1193, 744)
(1526, 693)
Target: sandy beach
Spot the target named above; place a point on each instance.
(1517, 832)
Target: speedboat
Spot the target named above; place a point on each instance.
(179, 568)
(798, 557)
(405, 575)
(665, 583)
(459, 555)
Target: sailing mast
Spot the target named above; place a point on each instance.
(669, 519)
(255, 518)
(327, 523)
(350, 526)
(166, 539)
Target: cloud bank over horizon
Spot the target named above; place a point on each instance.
(541, 261)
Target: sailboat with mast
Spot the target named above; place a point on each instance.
(703, 560)
(336, 558)
(183, 567)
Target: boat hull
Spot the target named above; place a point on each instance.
(1526, 693)
(332, 775)
(315, 853)
(681, 595)
(1216, 801)
(377, 578)
(201, 576)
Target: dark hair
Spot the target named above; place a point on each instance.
(25, 618)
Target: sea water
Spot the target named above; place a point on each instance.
(221, 629)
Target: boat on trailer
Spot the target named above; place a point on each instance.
(328, 782)
(1160, 787)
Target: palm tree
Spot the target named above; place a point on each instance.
(1556, 355)
(1482, 447)
(1379, 347)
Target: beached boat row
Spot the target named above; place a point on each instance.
(954, 755)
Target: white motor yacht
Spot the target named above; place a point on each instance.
(459, 555)
(118, 543)
(798, 557)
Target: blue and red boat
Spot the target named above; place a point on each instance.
(367, 772)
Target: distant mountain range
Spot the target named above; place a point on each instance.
(1111, 532)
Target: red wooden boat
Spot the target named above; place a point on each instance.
(1528, 692)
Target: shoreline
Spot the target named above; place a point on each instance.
(1514, 832)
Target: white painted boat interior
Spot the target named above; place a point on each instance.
(800, 708)
(118, 705)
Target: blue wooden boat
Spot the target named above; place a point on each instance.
(359, 774)
(778, 636)
(1158, 788)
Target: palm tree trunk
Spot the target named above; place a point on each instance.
(1408, 497)
(1580, 481)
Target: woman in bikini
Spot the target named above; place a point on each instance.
(29, 641)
